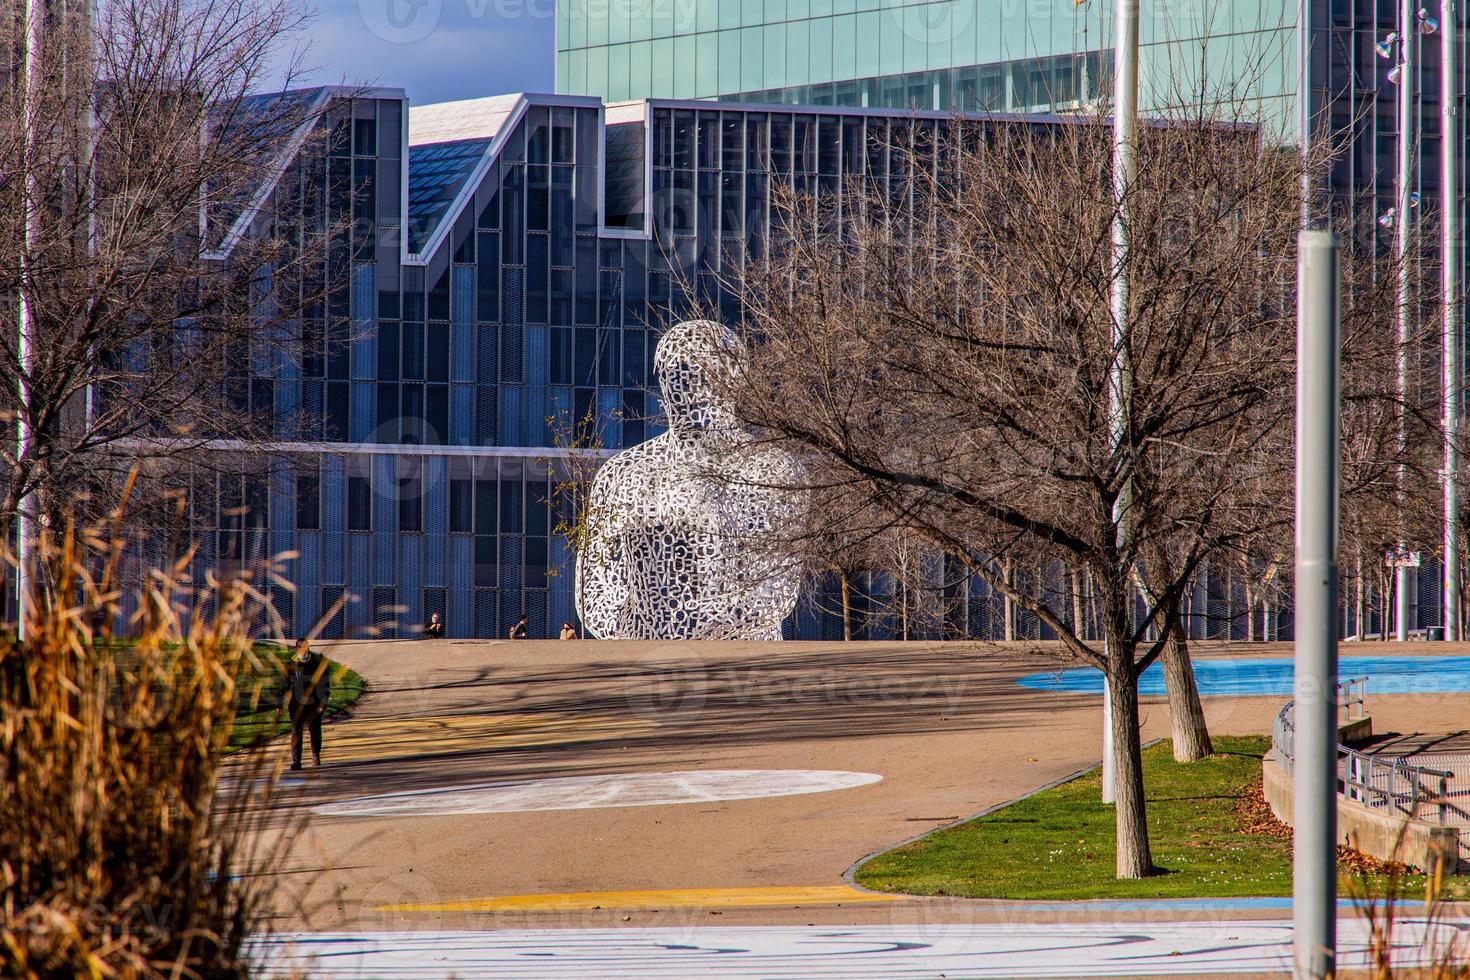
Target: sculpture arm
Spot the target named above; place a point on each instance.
(601, 584)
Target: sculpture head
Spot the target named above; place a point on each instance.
(690, 359)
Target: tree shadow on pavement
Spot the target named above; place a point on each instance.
(691, 699)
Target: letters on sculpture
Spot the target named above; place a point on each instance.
(677, 544)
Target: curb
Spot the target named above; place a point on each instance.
(850, 875)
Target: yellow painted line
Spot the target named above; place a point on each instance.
(397, 738)
(664, 898)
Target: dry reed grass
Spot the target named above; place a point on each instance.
(122, 851)
(1443, 953)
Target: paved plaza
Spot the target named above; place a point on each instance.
(600, 800)
(1232, 948)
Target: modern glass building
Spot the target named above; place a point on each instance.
(1038, 56)
(511, 261)
(1257, 57)
(504, 263)
(508, 262)
(959, 55)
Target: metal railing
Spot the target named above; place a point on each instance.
(1350, 707)
(1377, 781)
(1390, 782)
(1350, 694)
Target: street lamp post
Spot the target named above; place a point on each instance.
(1314, 774)
(1449, 162)
(30, 201)
(1120, 377)
(1403, 575)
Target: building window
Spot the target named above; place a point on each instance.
(461, 507)
(308, 501)
(511, 519)
(359, 504)
(410, 506)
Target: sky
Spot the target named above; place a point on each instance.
(439, 50)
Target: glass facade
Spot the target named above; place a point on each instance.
(1045, 56)
(947, 54)
(414, 450)
(497, 276)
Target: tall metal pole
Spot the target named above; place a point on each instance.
(30, 199)
(1314, 848)
(1304, 103)
(1449, 162)
(1120, 375)
(1404, 577)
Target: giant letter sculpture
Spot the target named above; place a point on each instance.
(678, 527)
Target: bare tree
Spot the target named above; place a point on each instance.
(1376, 506)
(837, 550)
(166, 245)
(880, 572)
(947, 345)
(585, 450)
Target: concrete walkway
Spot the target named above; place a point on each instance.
(1234, 948)
(909, 736)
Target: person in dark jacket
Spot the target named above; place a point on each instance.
(434, 628)
(305, 697)
(520, 630)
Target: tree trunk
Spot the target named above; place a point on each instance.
(1008, 609)
(1463, 597)
(846, 605)
(1079, 614)
(903, 605)
(1186, 713)
(1094, 610)
(1133, 857)
(1360, 600)
(1250, 611)
(1385, 605)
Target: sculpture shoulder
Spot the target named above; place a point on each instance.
(635, 463)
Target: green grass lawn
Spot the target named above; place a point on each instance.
(260, 718)
(1059, 844)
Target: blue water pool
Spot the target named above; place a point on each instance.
(1272, 676)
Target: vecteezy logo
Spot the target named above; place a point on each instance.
(933, 23)
(400, 21)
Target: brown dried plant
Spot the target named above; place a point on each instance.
(126, 834)
(1380, 893)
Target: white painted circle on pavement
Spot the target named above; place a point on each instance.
(587, 792)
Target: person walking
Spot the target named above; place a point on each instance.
(521, 630)
(434, 628)
(567, 632)
(305, 697)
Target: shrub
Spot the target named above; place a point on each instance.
(125, 829)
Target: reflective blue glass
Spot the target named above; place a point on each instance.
(436, 175)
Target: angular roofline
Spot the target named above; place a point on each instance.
(262, 194)
(325, 94)
(609, 113)
(517, 112)
(468, 107)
